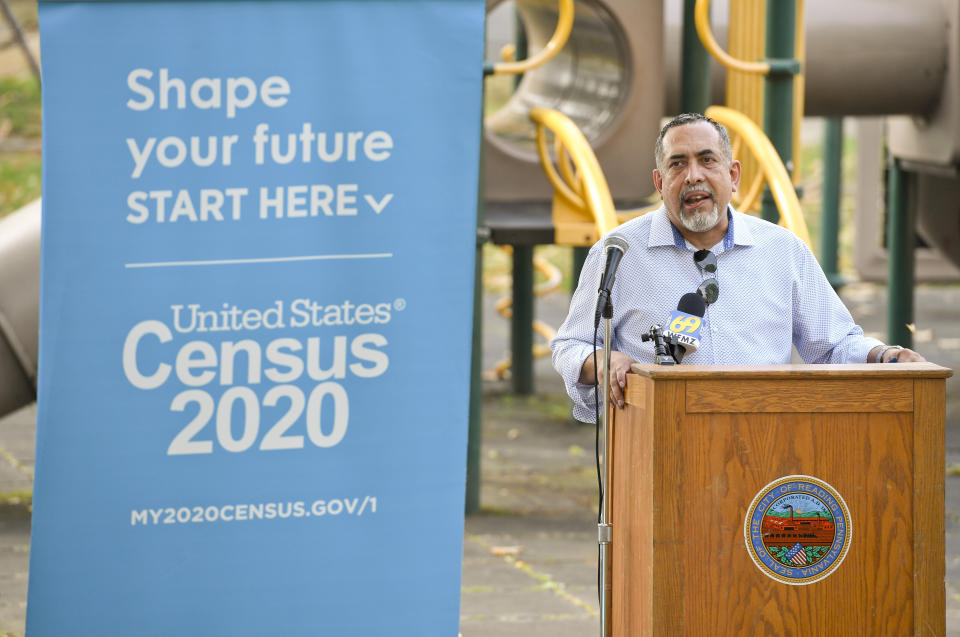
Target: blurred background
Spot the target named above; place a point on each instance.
(862, 110)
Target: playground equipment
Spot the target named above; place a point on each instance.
(19, 303)
(862, 57)
(608, 80)
(553, 277)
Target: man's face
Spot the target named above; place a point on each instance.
(696, 181)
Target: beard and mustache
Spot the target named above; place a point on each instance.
(694, 220)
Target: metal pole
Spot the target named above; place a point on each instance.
(521, 329)
(778, 91)
(579, 257)
(475, 427)
(900, 244)
(695, 89)
(475, 430)
(604, 529)
(830, 213)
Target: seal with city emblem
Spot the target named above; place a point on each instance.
(798, 530)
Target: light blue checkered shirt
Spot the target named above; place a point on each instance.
(773, 294)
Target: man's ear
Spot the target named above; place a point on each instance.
(658, 181)
(735, 175)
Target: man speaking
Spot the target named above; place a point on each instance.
(764, 290)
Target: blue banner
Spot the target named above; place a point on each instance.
(257, 283)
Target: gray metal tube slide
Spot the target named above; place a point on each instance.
(864, 57)
(19, 306)
(875, 58)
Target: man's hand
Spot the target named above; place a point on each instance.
(894, 355)
(908, 356)
(619, 366)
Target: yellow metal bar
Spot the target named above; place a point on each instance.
(550, 49)
(701, 14)
(773, 169)
(566, 168)
(799, 86)
(596, 193)
(746, 40)
(749, 200)
(546, 333)
(559, 185)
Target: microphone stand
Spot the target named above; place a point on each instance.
(604, 529)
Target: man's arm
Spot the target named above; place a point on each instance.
(824, 331)
(574, 342)
(619, 367)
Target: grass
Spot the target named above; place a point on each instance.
(20, 122)
(19, 180)
(20, 107)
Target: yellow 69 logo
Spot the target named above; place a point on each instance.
(684, 323)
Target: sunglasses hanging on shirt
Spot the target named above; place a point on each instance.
(706, 262)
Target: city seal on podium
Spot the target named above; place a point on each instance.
(798, 530)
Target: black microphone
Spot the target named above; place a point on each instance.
(663, 346)
(615, 245)
(685, 323)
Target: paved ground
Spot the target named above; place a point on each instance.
(529, 563)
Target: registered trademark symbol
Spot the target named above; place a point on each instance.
(400, 304)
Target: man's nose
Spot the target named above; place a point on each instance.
(694, 174)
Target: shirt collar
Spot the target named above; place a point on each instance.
(664, 233)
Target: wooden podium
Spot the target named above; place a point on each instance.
(694, 448)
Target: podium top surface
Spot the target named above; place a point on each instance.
(875, 370)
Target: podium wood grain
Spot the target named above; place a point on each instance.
(694, 445)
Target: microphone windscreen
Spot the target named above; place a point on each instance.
(616, 240)
(685, 323)
(692, 303)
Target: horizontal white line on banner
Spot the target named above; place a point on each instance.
(312, 257)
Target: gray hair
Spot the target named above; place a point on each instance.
(692, 118)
